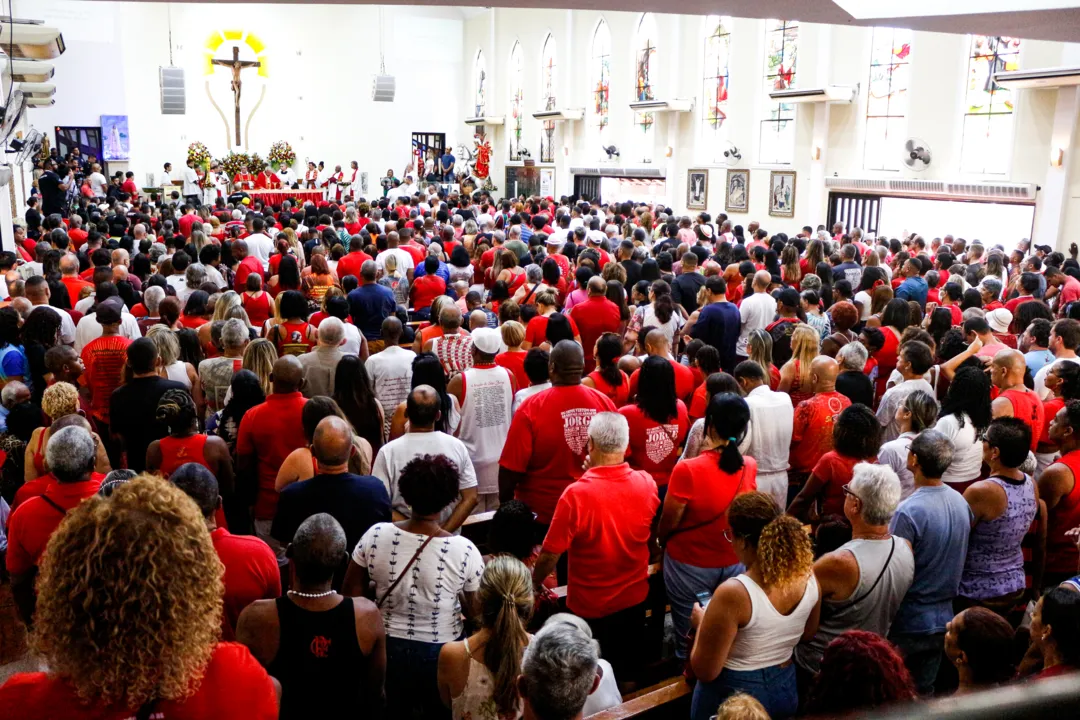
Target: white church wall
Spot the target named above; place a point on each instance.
(320, 62)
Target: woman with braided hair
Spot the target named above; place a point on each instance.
(185, 444)
(746, 636)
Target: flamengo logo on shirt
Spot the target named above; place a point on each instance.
(660, 441)
(576, 428)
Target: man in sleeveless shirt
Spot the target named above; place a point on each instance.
(1060, 489)
(327, 651)
(454, 348)
(486, 395)
(1015, 400)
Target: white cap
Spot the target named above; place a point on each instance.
(999, 320)
(487, 340)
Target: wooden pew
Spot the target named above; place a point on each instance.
(667, 699)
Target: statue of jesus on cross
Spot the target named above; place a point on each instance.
(236, 64)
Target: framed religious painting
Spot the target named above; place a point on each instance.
(737, 196)
(782, 193)
(697, 189)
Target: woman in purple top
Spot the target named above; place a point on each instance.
(581, 292)
(1004, 506)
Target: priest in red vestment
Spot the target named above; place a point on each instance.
(244, 180)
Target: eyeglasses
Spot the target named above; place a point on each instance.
(847, 489)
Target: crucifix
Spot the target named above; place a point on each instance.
(236, 64)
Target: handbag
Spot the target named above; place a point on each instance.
(404, 570)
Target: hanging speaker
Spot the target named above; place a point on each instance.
(172, 90)
(383, 88)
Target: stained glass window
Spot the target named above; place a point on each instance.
(600, 81)
(988, 116)
(714, 95)
(479, 84)
(644, 85)
(887, 98)
(547, 83)
(517, 105)
(777, 139)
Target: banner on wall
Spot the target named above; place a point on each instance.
(116, 141)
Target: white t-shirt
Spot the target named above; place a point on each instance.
(165, 180)
(391, 375)
(214, 276)
(756, 311)
(396, 454)
(404, 260)
(967, 449)
(894, 454)
(525, 393)
(773, 417)
(352, 343)
(425, 605)
(191, 181)
(863, 298)
(179, 283)
(260, 246)
(646, 317)
(1040, 377)
(98, 184)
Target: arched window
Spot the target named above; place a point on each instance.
(517, 106)
(777, 138)
(600, 81)
(479, 84)
(887, 98)
(547, 84)
(644, 84)
(714, 94)
(988, 117)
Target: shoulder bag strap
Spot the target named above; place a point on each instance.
(862, 597)
(714, 518)
(404, 570)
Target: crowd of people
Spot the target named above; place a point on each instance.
(240, 444)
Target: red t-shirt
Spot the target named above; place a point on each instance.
(251, 573)
(234, 687)
(74, 285)
(1070, 291)
(416, 252)
(185, 222)
(835, 471)
(957, 315)
(353, 228)
(130, 188)
(654, 447)
(547, 441)
(1017, 302)
(684, 381)
(697, 403)
(617, 394)
(603, 521)
(33, 523)
(425, 289)
(595, 316)
(104, 358)
(536, 330)
(248, 265)
(707, 491)
(811, 433)
(515, 363)
(351, 262)
(271, 431)
(78, 237)
(1028, 407)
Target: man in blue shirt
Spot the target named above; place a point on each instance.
(936, 520)
(914, 286)
(369, 305)
(446, 165)
(719, 322)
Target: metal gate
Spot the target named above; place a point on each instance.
(855, 211)
(587, 187)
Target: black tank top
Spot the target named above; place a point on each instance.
(319, 661)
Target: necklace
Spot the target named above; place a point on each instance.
(312, 595)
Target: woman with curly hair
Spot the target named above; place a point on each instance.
(412, 580)
(59, 401)
(748, 632)
(859, 671)
(119, 636)
(481, 671)
(856, 438)
(844, 317)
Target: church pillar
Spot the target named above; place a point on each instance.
(1053, 198)
(817, 197)
(568, 93)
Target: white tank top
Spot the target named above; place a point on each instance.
(178, 372)
(769, 638)
(485, 421)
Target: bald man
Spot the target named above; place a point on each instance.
(355, 501)
(1015, 400)
(811, 435)
(69, 275)
(248, 264)
(756, 312)
(594, 317)
(268, 433)
(545, 448)
(657, 343)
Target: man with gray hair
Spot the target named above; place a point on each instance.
(152, 298)
(71, 455)
(936, 520)
(852, 382)
(862, 582)
(303, 616)
(603, 522)
(320, 364)
(194, 277)
(558, 673)
(13, 393)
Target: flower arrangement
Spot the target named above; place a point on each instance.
(281, 153)
(199, 154)
(234, 161)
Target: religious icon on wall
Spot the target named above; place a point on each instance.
(697, 189)
(782, 193)
(737, 197)
(233, 44)
(114, 131)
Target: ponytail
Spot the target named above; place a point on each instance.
(728, 416)
(784, 551)
(731, 460)
(506, 599)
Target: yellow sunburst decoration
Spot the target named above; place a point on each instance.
(253, 42)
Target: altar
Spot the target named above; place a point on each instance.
(276, 197)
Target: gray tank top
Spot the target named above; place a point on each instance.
(867, 609)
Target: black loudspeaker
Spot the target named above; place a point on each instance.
(172, 90)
